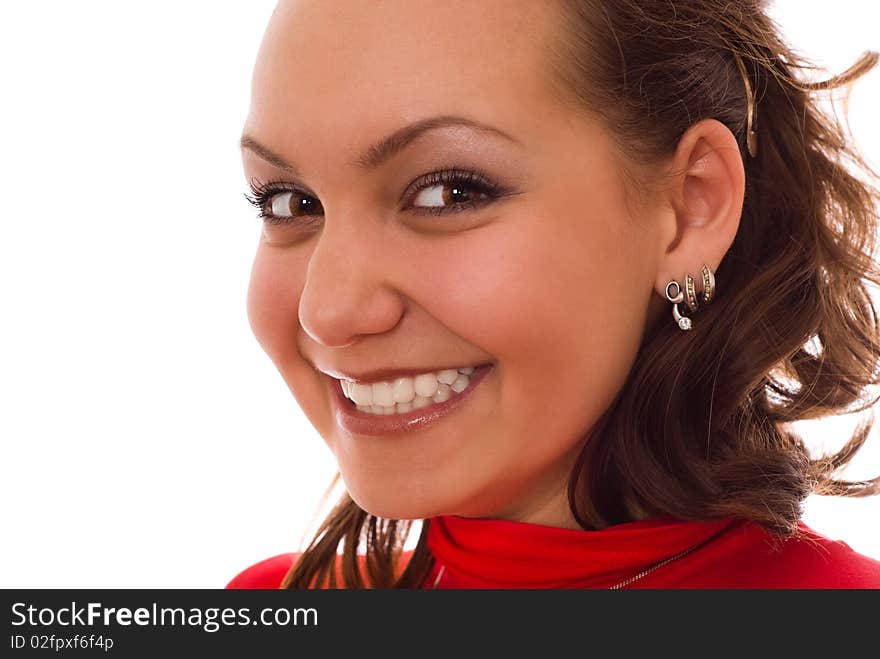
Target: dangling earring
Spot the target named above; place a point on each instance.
(688, 295)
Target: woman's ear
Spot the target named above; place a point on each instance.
(705, 195)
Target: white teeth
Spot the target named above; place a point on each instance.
(382, 394)
(362, 394)
(443, 393)
(447, 376)
(460, 384)
(420, 401)
(403, 389)
(426, 384)
(404, 394)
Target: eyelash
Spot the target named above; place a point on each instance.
(263, 193)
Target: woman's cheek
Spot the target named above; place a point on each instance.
(492, 291)
(272, 301)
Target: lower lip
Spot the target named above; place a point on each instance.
(355, 422)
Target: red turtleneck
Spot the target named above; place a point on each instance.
(724, 553)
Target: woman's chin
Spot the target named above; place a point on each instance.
(393, 505)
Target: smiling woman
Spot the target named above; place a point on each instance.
(476, 276)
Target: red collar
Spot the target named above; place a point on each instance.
(495, 553)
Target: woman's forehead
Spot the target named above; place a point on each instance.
(327, 51)
(331, 71)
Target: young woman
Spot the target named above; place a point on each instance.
(554, 278)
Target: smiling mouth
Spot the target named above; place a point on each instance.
(379, 420)
(404, 394)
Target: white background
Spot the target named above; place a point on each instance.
(146, 439)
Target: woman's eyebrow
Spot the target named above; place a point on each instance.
(385, 148)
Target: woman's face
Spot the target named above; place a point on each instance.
(535, 267)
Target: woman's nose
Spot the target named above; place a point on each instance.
(347, 291)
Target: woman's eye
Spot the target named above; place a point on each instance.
(278, 204)
(442, 196)
(290, 204)
(453, 191)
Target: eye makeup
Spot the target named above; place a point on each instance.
(274, 198)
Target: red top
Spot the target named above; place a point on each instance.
(723, 553)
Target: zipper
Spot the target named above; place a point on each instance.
(650, 569)
(629, 580)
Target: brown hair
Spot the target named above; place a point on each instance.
(698, 429)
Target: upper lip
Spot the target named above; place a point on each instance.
(382, 374)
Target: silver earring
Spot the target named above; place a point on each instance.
(688, 295)
(708, 284)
